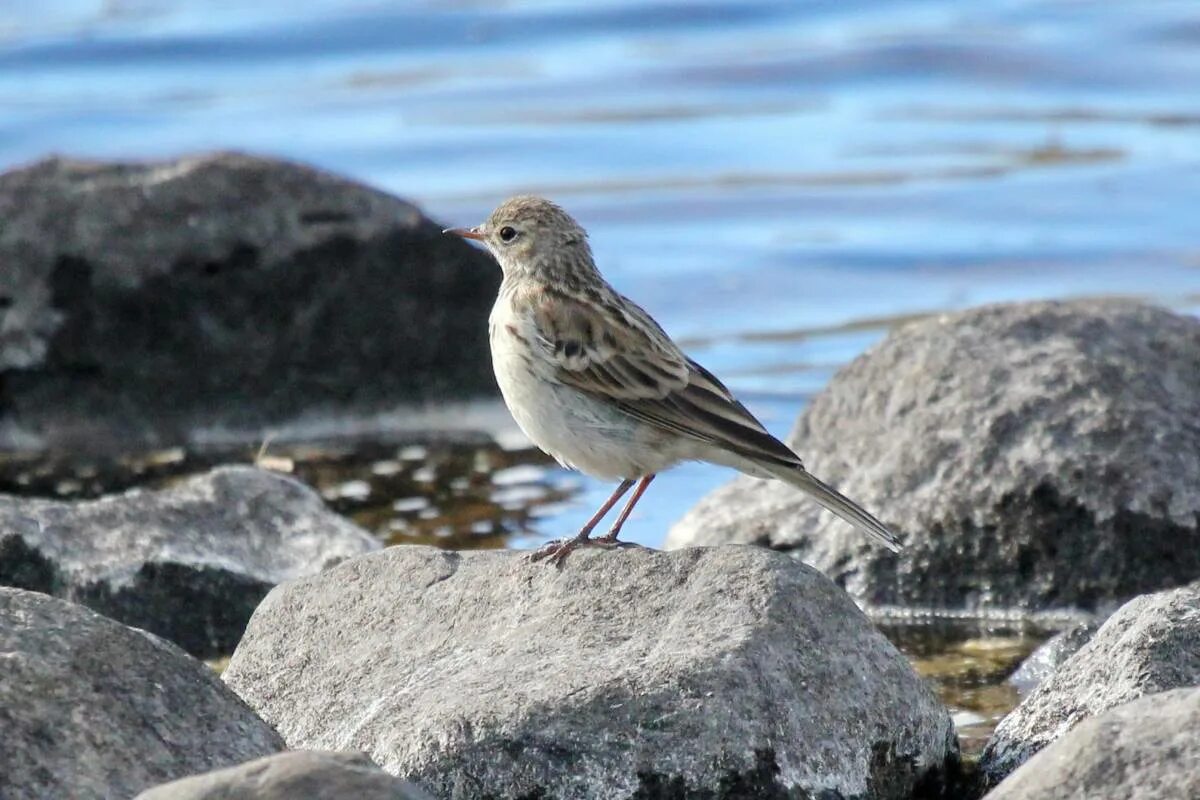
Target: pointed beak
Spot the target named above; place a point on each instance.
(466, 233)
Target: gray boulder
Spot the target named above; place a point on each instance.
(139, 301)
(721, 672)
(1148, 749)
(295, 775)
(93, 710)
(189, 563)
(1033, 456)
(1149, 645)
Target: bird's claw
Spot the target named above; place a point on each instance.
(556, 551)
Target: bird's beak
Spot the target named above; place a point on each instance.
(466, 233)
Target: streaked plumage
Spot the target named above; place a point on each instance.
(594, 381)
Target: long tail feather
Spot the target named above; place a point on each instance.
(839, 504)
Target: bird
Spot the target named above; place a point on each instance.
(596, 383)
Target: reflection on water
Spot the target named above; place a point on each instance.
(968, 662)
(449, 494)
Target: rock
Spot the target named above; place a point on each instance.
(296, 775)
(1033, 456)
(1149, 749)
(720, 672)
(189, 563)
(140, 301)
(1042, 662)
(93, 710)
(1149, 645)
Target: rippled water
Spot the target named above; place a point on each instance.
(774, 180)
(777, 182)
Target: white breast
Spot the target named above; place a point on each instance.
(580, 431)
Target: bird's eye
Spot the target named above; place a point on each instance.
(507, 234)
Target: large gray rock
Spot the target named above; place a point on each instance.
(189, 563)
(1033, 456)
(140, 300)
(1151, 644)
(93, 710)
(296, 775)
(1148, 749)
(719, 672)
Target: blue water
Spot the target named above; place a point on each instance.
(802, 170)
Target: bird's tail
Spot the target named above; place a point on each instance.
(834, 501)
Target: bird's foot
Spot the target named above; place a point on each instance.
(612, 543)
(609, 539)
(556, 552)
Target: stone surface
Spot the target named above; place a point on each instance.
(1050, 655)
(733, 671)
(1033, 456)
(295, 775)
(189, 563)
(141, 300)
(1148, 749)
(1149, 645)
(93, 710)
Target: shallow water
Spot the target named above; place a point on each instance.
(777, 182)
(968, 663)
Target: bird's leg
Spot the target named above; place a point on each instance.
(558, 550)
(611, 536)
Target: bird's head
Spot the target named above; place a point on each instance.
(528, 234)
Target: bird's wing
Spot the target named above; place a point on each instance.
(608, 347)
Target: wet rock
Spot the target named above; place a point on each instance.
(1149, 748)
(1149, 645)
(93, 710)
(1033, 456)
(1042, 662)
(189, 563)
(293, 775)
(141, 301)
(721, 672)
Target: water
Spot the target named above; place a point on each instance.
(968, 663)
(776, 181)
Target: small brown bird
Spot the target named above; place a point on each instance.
(594, 381)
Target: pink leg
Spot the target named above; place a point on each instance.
(558, 550)
(611, 536)
(617, 494)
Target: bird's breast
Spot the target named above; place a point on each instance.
(580, 431)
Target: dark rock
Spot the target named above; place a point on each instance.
(1149, 748)
(1042, 662)
(722, 672)
(296, 775)
(1033, 456)
(1151, 644)
(22, 565)
(189, 563)
(139, 301)
(93, 710)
